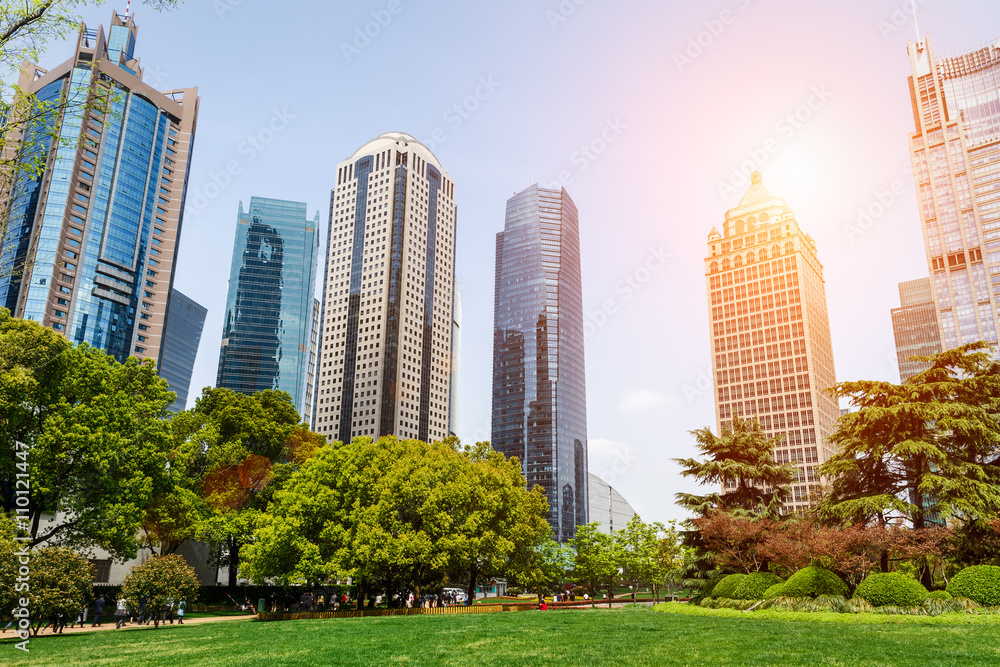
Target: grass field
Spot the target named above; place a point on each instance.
(682, 636)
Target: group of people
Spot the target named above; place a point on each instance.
(124, 614)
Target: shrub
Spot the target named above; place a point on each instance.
(753, 586)
(773, 591)
(812, 581)
(160, 582)
(727, 587)
(891, 589)
(979, 583)
(940, 595)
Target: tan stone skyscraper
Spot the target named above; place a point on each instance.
(388, 295)
(772, 356)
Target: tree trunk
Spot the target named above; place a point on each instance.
(362, 589)
(883, 560)
(611, 595)
(234, 561)
(473, 573)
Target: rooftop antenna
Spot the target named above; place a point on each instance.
(128, 8)
(916, 25)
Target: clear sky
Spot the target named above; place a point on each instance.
(643, 110)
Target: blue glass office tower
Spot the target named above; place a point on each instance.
(89, 247)
(185, 322)
(267, 335)
(539, 388)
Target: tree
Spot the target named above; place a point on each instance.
(95, 433)
(741, 461)
(639, 545)
(543, 567)
(928, 446)
(159, 583)
(598, 560)
(233, 451)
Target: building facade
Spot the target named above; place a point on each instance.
(388, 306)
(185, 322)
(773, 357)
(955, 153)
(89, 247)
(267, 332)
(915, 327)
(607, 507)
(539, 387)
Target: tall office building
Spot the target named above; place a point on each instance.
(385, 357)
(185, 322)
(771, 334)
(267, 331)
(915, 327)
(539, 389)
(89, 247)
(955, 152)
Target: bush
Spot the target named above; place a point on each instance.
(813, 581)
(753, 586)
(159, 583)
(891, 589)
(940, 595)
(727, 587)
(979, 583)
(773, 591)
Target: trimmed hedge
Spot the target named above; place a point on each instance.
(753, 586)
(727, 587)
(979, 583)
(892, 589)
(813, 581)
(773, 591)
(940, 595)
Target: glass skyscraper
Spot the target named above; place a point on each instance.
(773, 358)
(539, 388)
(915, 327)
(267, 335)
(955, 152)
(385, 365)
(89, 247)
(185, 322)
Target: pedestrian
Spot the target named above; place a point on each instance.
(543, 606)
(320, 601)
(120, 611)
(180, 612)
(98, 610)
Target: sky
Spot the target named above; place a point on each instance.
(649, 114)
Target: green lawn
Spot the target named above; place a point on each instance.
(689, 636)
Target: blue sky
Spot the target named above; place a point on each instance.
(645, 111)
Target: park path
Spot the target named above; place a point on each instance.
(110, 625)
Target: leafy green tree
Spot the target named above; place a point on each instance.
(60, 580)
(639, 544)
(598, 560)
(543, 567)
(741, 461)
(930, 445)
(669, 559)
(96, 436)
(160, 583)
(234, 451)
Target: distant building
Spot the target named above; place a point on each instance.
(89, 246)
(185, 321)
(607, 506)
(915, 327)
(773, 359)
(385, 365)
(539, 387)
(267, 334)
(955, 153)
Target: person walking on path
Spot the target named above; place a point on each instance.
(180, 612)
(98, 610)
(120, 612)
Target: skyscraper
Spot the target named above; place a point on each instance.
(385, 357)
(89, 247)
(770, 332)
(539, 388)
(915, 327)
(955, 152)
(267, 332)
(185, 322)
